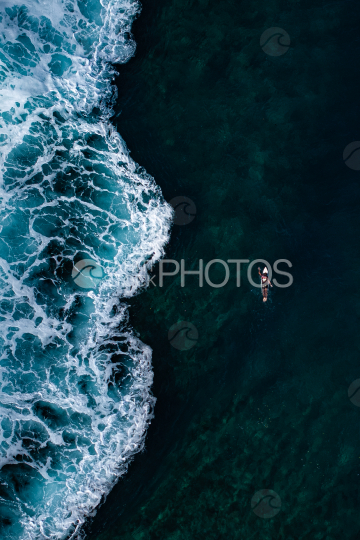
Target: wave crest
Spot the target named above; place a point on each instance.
(75, 395)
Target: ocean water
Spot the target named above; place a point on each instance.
(81, 225)
(261, 401)
(256, 142)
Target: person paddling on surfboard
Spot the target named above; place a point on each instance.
(265, 282)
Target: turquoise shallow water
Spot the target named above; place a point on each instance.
(81, 225)
(262, 401)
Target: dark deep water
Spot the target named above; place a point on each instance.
(261, 402)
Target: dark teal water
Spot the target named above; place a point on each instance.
(261, 402)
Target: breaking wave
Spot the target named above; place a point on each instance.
(81, 224)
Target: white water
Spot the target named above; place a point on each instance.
(75, 397)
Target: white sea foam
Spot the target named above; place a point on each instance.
(75, 397)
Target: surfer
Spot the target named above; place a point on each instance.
(265, 282)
